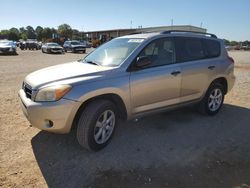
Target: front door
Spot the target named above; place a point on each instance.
(158, 84)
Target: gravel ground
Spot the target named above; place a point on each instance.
(175, 149)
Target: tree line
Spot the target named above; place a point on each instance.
(237, 43)
(41, 34)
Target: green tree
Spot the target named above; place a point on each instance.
(76, 35)
(14, 34)
(31, 32)
(46, 33)
(234, 43)
(39, 31)
(4, 34)
(23, 33)
(65, 31)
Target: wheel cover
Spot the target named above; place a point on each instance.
(104, 127)
(215, 99)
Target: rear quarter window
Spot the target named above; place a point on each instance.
(212, 48)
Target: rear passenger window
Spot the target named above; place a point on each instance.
(212, 48)
(189, 49)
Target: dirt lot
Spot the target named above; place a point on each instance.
(174, 149)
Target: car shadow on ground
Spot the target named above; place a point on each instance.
(8, 54)
(171, 140)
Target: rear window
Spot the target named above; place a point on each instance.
(212, 48)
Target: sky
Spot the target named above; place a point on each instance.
(229, 19)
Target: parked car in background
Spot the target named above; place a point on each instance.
(245, 47)
(128, 77)
(74, 46)
(7, 47)
(85, 43)
(52, 47)
(30, 44)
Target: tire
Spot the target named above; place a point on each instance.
(90, 129)
(209, 106)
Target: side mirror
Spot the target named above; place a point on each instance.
(142, 61)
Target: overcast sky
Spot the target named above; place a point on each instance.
(228, 19)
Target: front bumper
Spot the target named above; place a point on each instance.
(61, 113)
(79, 49)
(7, 50)
(56, 50)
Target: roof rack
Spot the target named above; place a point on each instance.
(183, 31)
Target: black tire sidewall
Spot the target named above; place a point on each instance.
(206, 99)
(92, 145)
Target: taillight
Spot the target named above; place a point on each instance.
(231, 59)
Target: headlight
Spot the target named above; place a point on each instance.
(52, 93)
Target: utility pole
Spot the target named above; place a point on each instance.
(131, 24)
(201, 25)
(82, 33)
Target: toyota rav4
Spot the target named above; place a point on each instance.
(125, 78)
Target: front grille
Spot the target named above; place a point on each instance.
(57, 49)
(78, 48)
(5, 49)
(28, 90)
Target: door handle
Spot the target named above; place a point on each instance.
(175, 73)
(211, 67)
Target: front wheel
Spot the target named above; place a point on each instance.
(96, 125)
(213, 100)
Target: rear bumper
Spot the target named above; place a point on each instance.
(230, 82)
(49, 116)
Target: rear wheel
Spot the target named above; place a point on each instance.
(213, 100)
(97, 124)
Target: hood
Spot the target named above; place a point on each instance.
(3, 45)
(55, 47)
(74, 71)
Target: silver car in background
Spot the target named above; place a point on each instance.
(7, 47)
(74, 46)
(52, 47)
(125, 78)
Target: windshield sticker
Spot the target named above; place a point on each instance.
(136, 40)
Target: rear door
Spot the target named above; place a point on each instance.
(157, 85)
(196, 66)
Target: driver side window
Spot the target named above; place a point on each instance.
(160, 52)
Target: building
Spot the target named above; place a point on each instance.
(109, 34)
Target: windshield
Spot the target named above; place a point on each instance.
(6, 43)
(53, 44)
(75, 43)
(114, 52)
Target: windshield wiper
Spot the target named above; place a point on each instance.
(91, 62)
